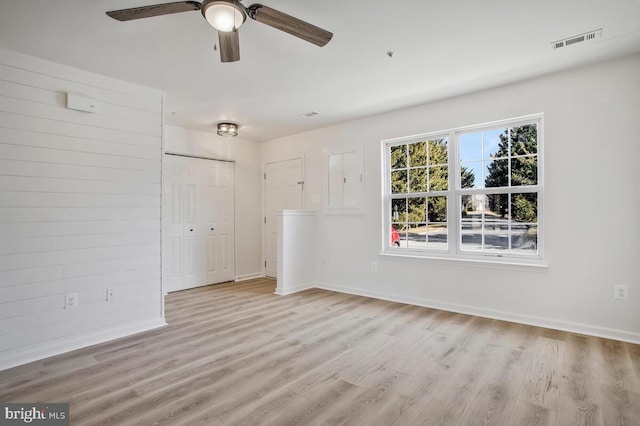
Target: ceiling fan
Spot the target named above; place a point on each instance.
(226, 16)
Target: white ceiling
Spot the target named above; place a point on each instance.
(442, 48)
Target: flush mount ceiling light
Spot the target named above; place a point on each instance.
(224, 15)
(227, 129)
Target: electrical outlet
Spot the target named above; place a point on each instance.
(621, 292)
(71, 301)
(374, 266)
(111, 294)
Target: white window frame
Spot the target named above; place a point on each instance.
(454, 195)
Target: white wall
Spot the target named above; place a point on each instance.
(248, 189)
(592, 197)
(79, 209)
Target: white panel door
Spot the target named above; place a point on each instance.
(172, 224)
(194, 235)
(218, 216)
(284, 187)
(198, 243)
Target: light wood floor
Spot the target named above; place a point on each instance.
(237, 354)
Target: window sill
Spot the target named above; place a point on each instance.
(488, 262)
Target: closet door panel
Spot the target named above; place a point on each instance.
(219, 224)
(193, 247)
(172, 220)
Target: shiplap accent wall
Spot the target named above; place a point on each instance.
(80, 198)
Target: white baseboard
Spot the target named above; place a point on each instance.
(588, 329)
(250, 276)
(33, 353)
(294, 289)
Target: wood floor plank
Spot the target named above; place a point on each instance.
(579, 413)
(496, 396)
(407, 405)
(620, 405)
(615, 367)
(527, 414)
(456, 396)
(366, 404)
(542, 383)
(579, 369)
(237, 354)
(317, 410)
(264, 411)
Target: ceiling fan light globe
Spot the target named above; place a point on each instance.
(224, 16)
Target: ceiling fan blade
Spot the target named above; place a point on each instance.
(289, 24)
(154, 10)
(229, 46)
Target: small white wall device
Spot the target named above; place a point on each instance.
(81, 102)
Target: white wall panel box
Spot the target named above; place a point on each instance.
(80, 102)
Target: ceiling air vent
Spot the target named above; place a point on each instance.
(591, 35)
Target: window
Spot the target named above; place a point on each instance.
(473, 192)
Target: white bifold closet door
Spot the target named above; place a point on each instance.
(198, 222)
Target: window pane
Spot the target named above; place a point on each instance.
(524, 207)
(437, 236)
(437, 228)
(398, 157)
(399, 181)
(524, 171)
(499, 223)
(496, 235)
(524, 238)
(496, 207)
(417, 236)
(403, 237)
(397, 232)
(438, 178)
(437, 209)
(471, 175)
(438, 152)
(418, 154)
(417, 180)
(466, 205)
(524, 140)
(399, 210)
(471, 147)
(496, 144)
(473, 206)
(497, 173)
(417, 209)
(471, 233)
